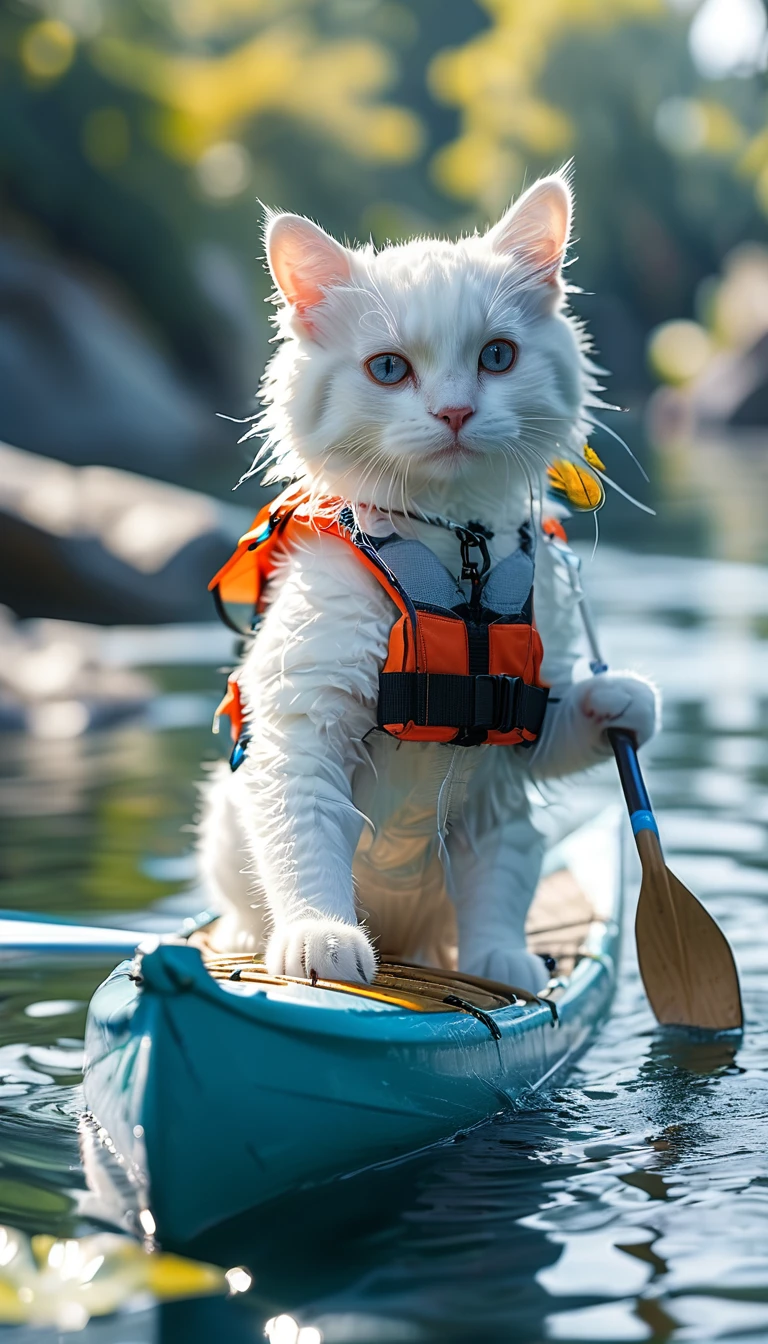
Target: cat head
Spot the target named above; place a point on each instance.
(405, 374)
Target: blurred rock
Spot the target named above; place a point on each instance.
(99, 545)
(60, 680)
(55, 684)
(81, 381)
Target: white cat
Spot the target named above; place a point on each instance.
(333, 841)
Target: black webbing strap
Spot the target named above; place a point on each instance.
(444, 700)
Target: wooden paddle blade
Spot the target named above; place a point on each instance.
(686, 963)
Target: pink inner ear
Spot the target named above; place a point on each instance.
(304, 260)
(537, 227)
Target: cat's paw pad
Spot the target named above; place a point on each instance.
(322, 949)
(513, 966)
(621, 702)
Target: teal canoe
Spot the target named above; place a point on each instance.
(216, 1088)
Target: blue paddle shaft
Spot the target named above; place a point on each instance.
(638, 803)
(622, 740)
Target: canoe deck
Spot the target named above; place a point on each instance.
(558, 926)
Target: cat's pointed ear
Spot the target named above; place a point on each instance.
(304, 261)
(536, 228)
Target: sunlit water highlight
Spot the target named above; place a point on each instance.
(630, 1204)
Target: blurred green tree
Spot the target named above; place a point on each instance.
(665, 158)
(143, 136)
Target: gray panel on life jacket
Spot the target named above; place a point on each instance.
(420, 573)
(426, 580)
(509, 583)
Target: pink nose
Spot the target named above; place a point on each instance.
(455, 416)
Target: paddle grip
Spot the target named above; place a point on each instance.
(632, 782)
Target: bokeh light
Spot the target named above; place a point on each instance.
(48, 49)
(740, 304)
(679, 351)
(729, 37)
(224, 170)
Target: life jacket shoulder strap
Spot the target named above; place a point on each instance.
(242, 581)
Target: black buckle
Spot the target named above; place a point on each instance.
(496, 702)
(533, 705)
(509, 698)
(485, 702)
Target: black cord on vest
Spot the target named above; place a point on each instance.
(478, 532)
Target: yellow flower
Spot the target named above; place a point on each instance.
(578, 486)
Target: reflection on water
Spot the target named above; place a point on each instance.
(630, 1205)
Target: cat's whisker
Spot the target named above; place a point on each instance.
(607, 428)
(528, 448)
(515, 455)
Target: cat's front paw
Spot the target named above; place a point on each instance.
(625, 701)
(323, 949)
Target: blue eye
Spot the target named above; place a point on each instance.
(498, 356)
(389, 369)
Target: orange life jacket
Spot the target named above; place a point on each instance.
(463, 664)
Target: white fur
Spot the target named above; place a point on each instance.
(342, 838)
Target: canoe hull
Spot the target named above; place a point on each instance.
(217, 1102)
